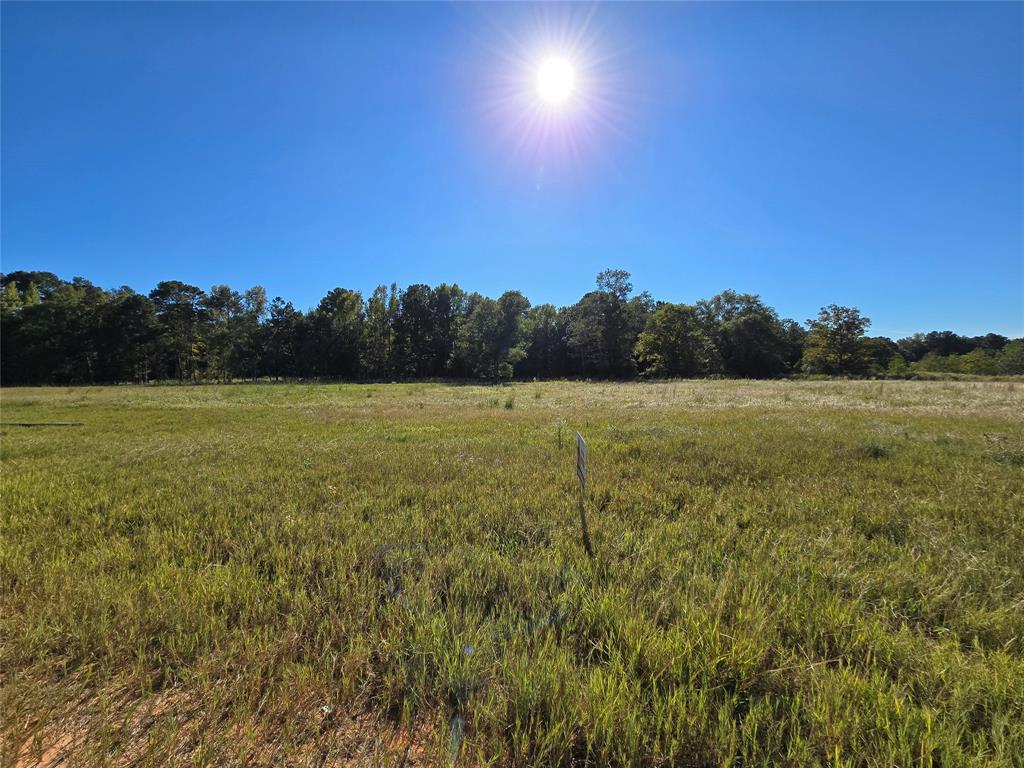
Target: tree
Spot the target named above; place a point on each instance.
(10, 327)
(835, 343)
(945, 343)
(415, 332)
(794, 336)
(10, 300)
(937, 363)
(491, 339)
(752, 346)
(878, 351)
(248, 353)
(335, 335)
(280, 337)
(220, 309)
(749, 338)
(32, 296)
(546, 351)
(912, 348)
(993, 342)
(674, 343)
(729, 305)
(379, 332)
(177, 307)
(45, 282)
(1011, 358)
(615, 282)
(129, 331)
(585, 336)
(979, 362)
(56, 331)
(604, 324)
(55, 339)
(447, 309)
(897, 366)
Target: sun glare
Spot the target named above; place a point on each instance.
(552, 91)
(556, 81)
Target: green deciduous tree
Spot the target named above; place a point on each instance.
(897, 366)
(1011, 358)
(603, 326)
(415, 332)
(491, 340)
(56, 331)
(748, 337)
(878, 351)
(979, 362)
(835, 342)
(546, 352)
(674, 343)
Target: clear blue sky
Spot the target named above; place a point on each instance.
(863, 154)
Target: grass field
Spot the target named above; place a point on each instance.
(786, 573)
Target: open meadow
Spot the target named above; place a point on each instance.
(786, 573)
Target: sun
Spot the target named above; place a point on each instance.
(556, 81)
(552, 94)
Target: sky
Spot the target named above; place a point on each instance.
(869, 154)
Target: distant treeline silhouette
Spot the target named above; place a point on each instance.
(59, 332)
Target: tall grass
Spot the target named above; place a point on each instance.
(814, 573)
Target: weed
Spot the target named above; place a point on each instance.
(875, 451)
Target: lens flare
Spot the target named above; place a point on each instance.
(552, 90)
(556, 81)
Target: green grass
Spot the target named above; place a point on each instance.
(786, 573)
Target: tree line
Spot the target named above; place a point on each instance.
(54, 331)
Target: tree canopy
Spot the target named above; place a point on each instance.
(55, 331)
